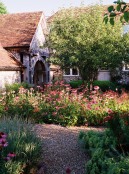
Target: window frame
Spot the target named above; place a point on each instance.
(125, 69)
(71, 72)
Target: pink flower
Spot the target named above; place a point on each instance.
(96, 87)
(89, 106)
(3, 135)
(93, 92)
(54, 113)
(110, 111)
(31, 89)
(11, 155)
(74, 91)
(3, 143)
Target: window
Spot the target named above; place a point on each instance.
(21, 57)
(126, 67)
(67, 71)
(71, 72)
(22, 76)
(74, 71)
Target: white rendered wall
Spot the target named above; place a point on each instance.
(9, 77)
(104, 75)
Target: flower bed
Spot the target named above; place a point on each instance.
(60, 104)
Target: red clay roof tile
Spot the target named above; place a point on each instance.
(8, 61)
(18, 29)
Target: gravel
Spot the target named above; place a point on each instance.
(60, 149)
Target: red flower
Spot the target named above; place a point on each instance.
(68, 171)
(126, 123)
(6, 108)
(106, 119)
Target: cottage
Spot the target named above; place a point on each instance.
(22, 35)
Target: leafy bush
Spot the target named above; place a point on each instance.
(118, 123)
(15, 87)
(23, 142)
(75, 83)
(105, 85)
(125, 86)
(105, 158)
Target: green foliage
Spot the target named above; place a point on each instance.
(3, 9)
(105, 158)
(121, 9)
(105, 85)
(76, 83)
(81, 39)
(118, 123)
(15, 86)
(23, 142)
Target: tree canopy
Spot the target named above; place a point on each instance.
(3, 9)
(81, 39)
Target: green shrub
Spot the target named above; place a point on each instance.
(118, 123)
(23, 142)
(76, 83)
(104, 155)
(15, 87)
(105, 85)
(23, 109)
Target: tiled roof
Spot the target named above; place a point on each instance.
(8, 61)
(18, 29)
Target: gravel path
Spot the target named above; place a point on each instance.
(61, 150)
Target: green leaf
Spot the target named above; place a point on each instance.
(110, 8)
(112, 21)
(121, 19)
(112, 14)
(126, 16)
(119, 2)
(118, 7)
(105, 20)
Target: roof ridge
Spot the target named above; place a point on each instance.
(22, 13)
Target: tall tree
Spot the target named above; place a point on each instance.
(3, 9)
(81, 39)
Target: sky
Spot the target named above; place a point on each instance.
(49, 7)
